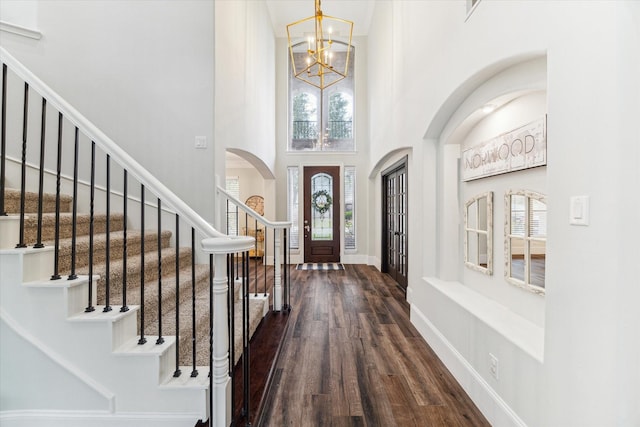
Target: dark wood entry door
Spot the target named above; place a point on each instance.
(394, 224)
(321, 214)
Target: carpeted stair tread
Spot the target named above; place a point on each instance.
(12, 201)
(169, 294)
(83, 222)
(134, 238)
(134, 270)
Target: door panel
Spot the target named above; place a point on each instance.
(395, 234)
(321, 214)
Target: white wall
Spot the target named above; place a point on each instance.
(143, 73)
(587, 372)
(23, 13)
(245, 79)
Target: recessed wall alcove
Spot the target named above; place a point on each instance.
(469, 316)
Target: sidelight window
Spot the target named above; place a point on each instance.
(349, 207)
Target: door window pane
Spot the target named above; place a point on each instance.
(321, 207)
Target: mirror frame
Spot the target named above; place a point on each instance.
(524, 284)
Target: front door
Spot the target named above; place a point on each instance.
(394, 224)
(321, 214)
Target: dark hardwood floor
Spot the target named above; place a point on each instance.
(351, 357)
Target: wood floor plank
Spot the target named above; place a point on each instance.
(351, 357)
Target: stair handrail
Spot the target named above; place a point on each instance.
(112, 149)
(252, 213)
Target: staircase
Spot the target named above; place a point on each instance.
(187, 292)
(125, 326)
(103, 323)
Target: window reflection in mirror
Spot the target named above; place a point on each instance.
(526, 235)
(478, 244)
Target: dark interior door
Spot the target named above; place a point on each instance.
(321, 214)
(394, 233)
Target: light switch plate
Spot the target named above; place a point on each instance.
(579, 210)
(201, 142)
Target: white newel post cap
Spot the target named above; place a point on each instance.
(227, 244)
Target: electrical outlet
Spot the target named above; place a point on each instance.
(493, 365)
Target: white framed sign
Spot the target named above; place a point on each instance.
(521, 148)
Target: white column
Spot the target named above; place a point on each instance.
(220, 414)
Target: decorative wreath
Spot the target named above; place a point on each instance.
(321, 201)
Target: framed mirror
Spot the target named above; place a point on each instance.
(526, 239)
(478, 233)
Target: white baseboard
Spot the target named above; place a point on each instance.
(492, 406)
(354, 259)
(375, 261)
(94, 419)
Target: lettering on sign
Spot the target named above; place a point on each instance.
(521, 148)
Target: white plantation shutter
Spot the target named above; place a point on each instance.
(292, 206)
(349, 207)
(233, 188)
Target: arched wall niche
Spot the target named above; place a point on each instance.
(501, 81)
(518, 94)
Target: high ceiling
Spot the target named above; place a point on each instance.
(284, 12)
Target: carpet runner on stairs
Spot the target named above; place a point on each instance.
(133, 271)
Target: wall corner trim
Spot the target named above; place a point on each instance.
(493, 407)
(20, 30)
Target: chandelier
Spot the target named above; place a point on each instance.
(319, 59)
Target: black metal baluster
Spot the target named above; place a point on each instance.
(230, 311)
(245, 338)
(74, 220)
(264, 259)
(43, 128)
(237, 233)
(285, 268)
(255, 257)
(23, 180)
(107, 247)
(56, 256)
(274, 265)
(177, 372)
(160, 340)
(231, 266)
(142, 339)
(194, 372)
(3, 140)
(211, 339)
(125, 197)
(90, 306)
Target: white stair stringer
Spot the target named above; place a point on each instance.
(98, 350)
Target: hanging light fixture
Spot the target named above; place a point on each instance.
(319, 59)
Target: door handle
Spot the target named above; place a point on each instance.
(306, 228)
